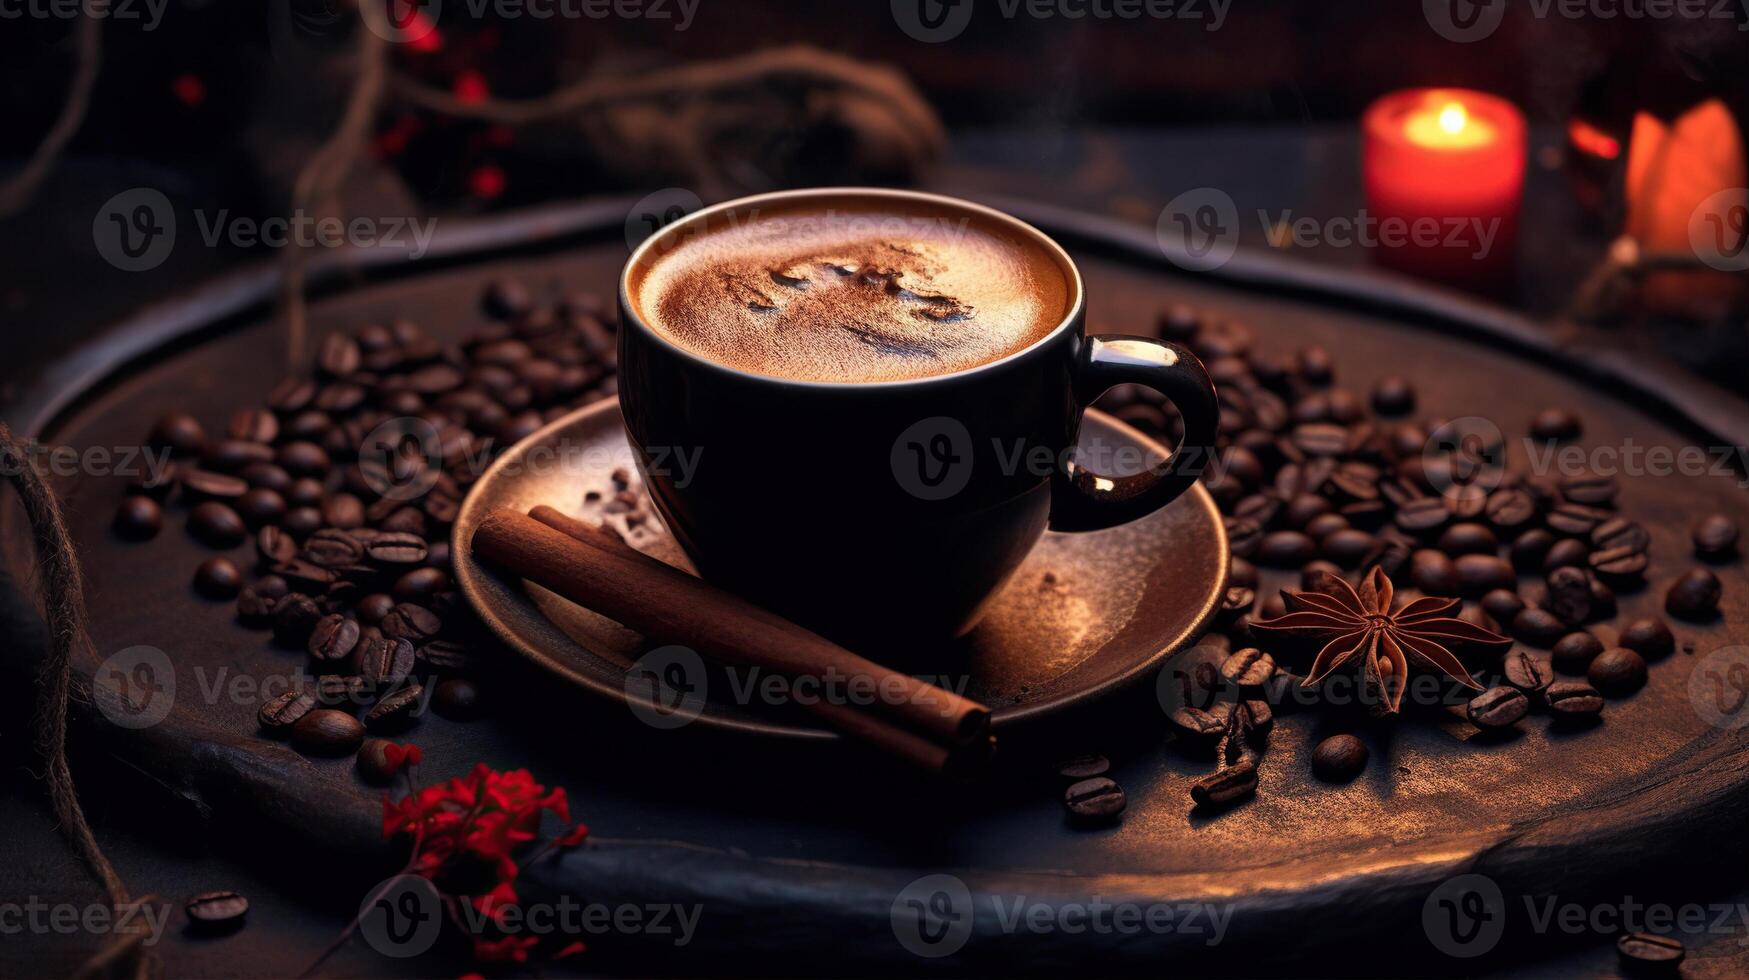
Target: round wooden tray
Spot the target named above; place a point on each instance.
(798, 856)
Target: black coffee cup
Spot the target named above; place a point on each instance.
(890, 511)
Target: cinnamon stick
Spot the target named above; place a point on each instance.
(661, 601)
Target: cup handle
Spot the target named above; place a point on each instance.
(1082, 500)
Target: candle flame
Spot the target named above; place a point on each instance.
(1453, 118)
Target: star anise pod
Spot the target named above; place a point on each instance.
(1360, 629)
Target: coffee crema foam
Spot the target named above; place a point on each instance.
(847, 291)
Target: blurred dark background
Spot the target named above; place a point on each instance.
(219, 105)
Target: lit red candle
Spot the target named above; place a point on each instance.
(1444, 179)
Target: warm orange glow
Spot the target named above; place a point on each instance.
(1589, 139)
(1444, 123)
(1452, 117)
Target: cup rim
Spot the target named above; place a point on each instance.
(1073, 314)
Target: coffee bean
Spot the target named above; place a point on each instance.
(218, 578)
(1286, 549)
(1715, 537)
(305, 492)
(218, 910)
(1339, 758)
(1468, 539)
(1567, 553)
(1510, 508)
(1244, 536)
(1574, 700)
(1348, 547)
(339, 356)
(254, 425)
(302, 521)
(179, 433)
(216, 525)
(1650, 638)
(1226, 787)
(1576, 520)
(1538, 627)
(1324, 525)
(303, 458)
(1423, 516)
(291, 395)
(372, 608)
(1312, 576)
(456, 698)
(1619, 565)
(1209, 724)
(385, 660)
(392, 548)
(328, 731)
(1527, 672)
(1530, 549)
(1695, 596)
(1393, 396)
(285, 709)
(1619, 532)
(294, 617)
(1502, 605)
(1498, 707)
(1569, 596)
(1466, 502)
(396, 709)
(373, 760)
(1321, 439)
(333, 548)
(1242, 574)
(411, 622)
(333, 637)
(445, 655)
(1648, 951)
(1555, 425)
(1617, 672)
(1573, 653)
(1434, 573)
(1235, 602)
(308, 577)
(343, 511)
(1480, 574)
(231, 456)
(506, 299)
(1590, 489)
(1249, 667)
(1094, 801)
(254, 609)
(1079, 767)
(1304, 508)
(138, 517)
(207, 485)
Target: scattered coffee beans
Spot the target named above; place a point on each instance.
(1573, 653)
(216, 910)
(1715, 537)
(1695, 596)
(1650, 638)
(1339, 758)
(1097, 800)
(1498, 707)
(1617, 672)
(1573, 700)
(139, 517)
(218, 578)
(327, 731)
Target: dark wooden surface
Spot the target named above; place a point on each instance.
(792, 860)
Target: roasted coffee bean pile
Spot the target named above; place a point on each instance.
(1311, 476)
(348, 480)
